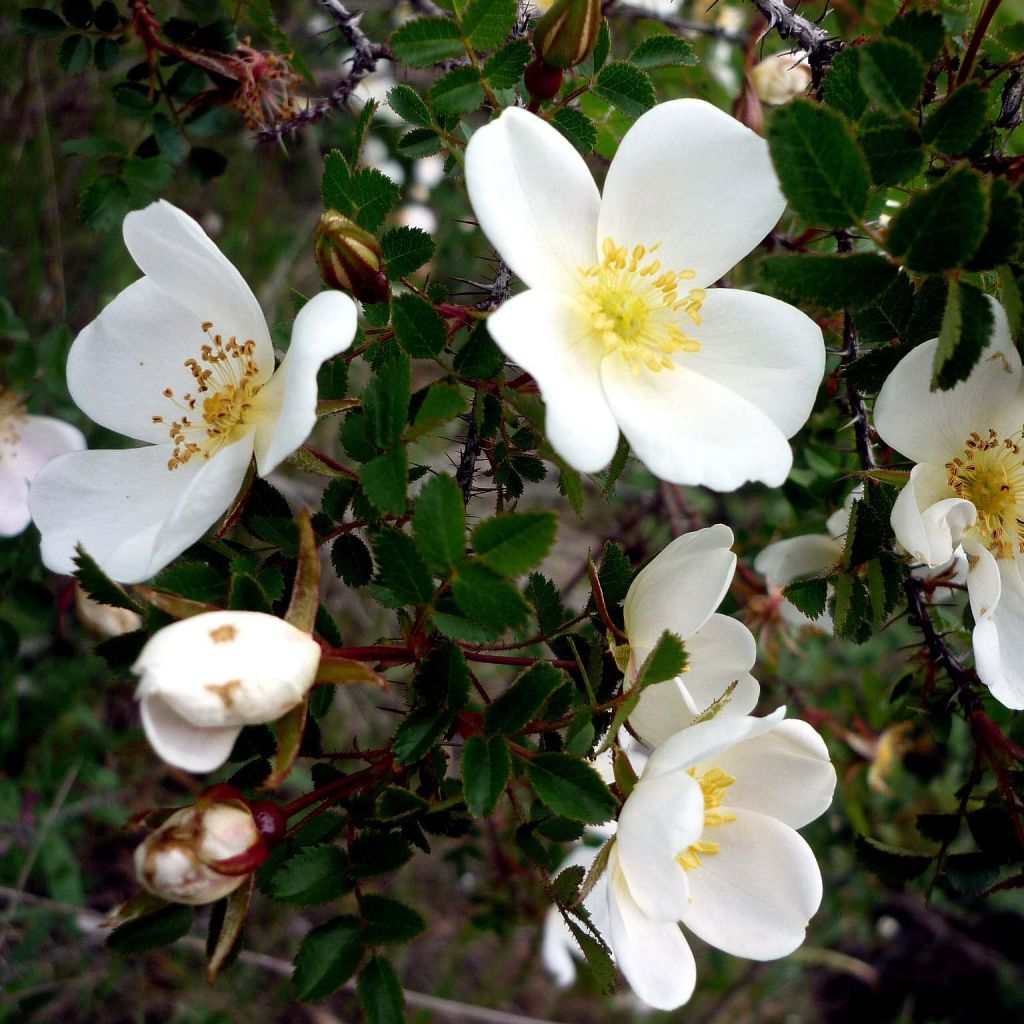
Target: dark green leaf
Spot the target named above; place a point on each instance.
(614, 575)
(941, 228)
(420, 142)
(598, 959)
(439, 524)
(954, 126)
(327, 958)
(443, 677)
(927, 310)
(386, 402)
(487, 23)
(841, 89)
(334, 185)
(134, 97)
(627, 87)
(425, 41)
(105, 203)
(666, 661)
(664, 50)
(389, 920)
(570, 788)
(146, 178)
(966, 329)
(150, 931)
(106, 18)
(604, 45)
(893, 865)
(400, 568)
(823, 171)
(972, 873)
(105, 54)
(835, 282)
(37, 21)
(514, 542)
(74, 53)
(205, 164)
(923, 30)
(380, 993)
(406, 102)
(442, 402)
(547, 603)
(506, 67)
(893, 149)
(457, 92)
(487, 599)
(1005, 227)
(98, 585)
(576, 127)
(419, 328)
(523, 700)
(77, 12)
(479, 357)
(373, 194)
(809, 596)
(313, 875)
(385, 481)
(406, 249)
(418, 732)
(892, 74)
(486, 766)
(940, 828)
(198, 581)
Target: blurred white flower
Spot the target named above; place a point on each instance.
(376, 154)
(416, 215)
(205, 677)
(428, 173)
(679, 591)
(27, 443)
(967, 489)
(707, 839)
(174, 861)
(376, 86)
(781, 77)
(619, 326)
(182, 360)
(723, 59)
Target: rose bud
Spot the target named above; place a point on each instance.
(177, 861)
(205, 677)
(568, 32)
(781, 77)
(350, 258)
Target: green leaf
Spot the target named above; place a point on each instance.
(922, 30)
(823, 171)
(966, 328)
(954, 125)
(487, 599)
(1005, 227)
(406, 249)
(627, 87)
(105, 203)
(514, 542)
(666, 661)
(150, 931)
(570, 788)
(315, 874)
(385, 481)
(380, 993)
(886, 319)
(663, 50)
(973, 873)
(389, 920)
(373, 194)
(386, 402)
(940, 828)
(439, 524)
(443, 677)
(547, 603)
(577, 128)
(418, 732)
(487, 23)
(835, 282)
(809, 596)
(335, 183)
(614, 575)
(134, 97)
(506, 67)
(893, 865)
(419, 328)
(400, 568)
(407, 103)
(146, 178)
(420, 142)
(442, 402)
(457, 92)
(95, 582)
(77, 12)
(479, 357)
(523, 700)
(39, 22)
(105, 54)
(941, 228)
(599, 960)
(74, 53)
(892, 74)
(604, 45)
(198, 581)
(327, 958)
(841, 89)
(425, 41)
(486, 766)
(893, 149)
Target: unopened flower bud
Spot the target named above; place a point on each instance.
(205, 677)
(350, 258)
(781, 77)
(200, 854)
(542, 80)
(568, 32)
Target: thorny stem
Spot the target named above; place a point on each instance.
(599, 601)
(821, 47)
(861, 427)
(401, 655)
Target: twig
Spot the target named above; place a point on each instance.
(861, 427)
(616, 9)
(819, 45)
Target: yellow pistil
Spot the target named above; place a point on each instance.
(12, 415)
(225, 373)
(634, 306)
(990, 475)
(713, 783)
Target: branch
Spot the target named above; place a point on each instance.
(861, 427)
(614, 9)
(364, 62)
(820, 46)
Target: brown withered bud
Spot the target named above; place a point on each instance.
(350, 258)
(568, 33)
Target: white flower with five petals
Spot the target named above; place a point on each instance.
(620, 326)
(181, 360)
(967, 489)
(707, 839)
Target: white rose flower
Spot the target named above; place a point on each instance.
(173, 862)
(679, 590)
(781, 77)
(182, 360)
(707, 839)
(619, 326)
(967, 489)
(205, 677)
(27, 443)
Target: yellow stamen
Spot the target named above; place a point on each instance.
(713, 783)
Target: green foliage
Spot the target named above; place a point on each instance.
(328, 957)
(570, 788)
(836, 282)
(439, 525)
(380, 993)
(418, 327)
(955, 124)
(486, 766)
(661, 51)
(425, 41)
(891, 74)
(576, 127)
(512, 543)
(626, 86)
(457, 92)
(966, 329)
(315, 875)
(150, 931)
(523, 700)
(405, 250)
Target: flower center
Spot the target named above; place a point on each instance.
(634, 306)
(990, 475)
(713, 783)
(225, 373)
(12, 415)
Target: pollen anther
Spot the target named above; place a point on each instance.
(713, 783)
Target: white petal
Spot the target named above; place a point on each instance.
(42, 438)
(182, 744)
(129, 511)
(688, 429)
(999, 631)
(285, 411)
(785, 773)
(755, 897)
(654, 956)
(120, 365)
(785, 560)
(704, 740)
(932, 426)
(661, 818)
(765, 350)
(679, 588)
(14, 514)
(928, 520)
(541, 332)
(534, 197)
(695, 179)
(174, 252)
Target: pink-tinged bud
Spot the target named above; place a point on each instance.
(200, 854)
(542, 80)
(568, 33)
(270, 819)
(350, 258)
